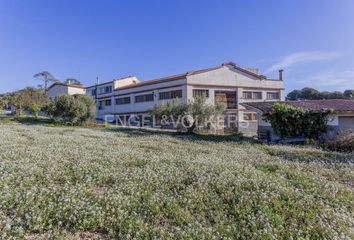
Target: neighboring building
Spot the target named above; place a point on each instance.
(341, 120)
(58, 89)
(228, 83)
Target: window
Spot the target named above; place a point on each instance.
(144, 98)
(108, 89)
(273, 95)
(164, 95)
(249, 116)
(252, 95)
(257, 95)
(92, 92)
(170, 94)
(123, 100)
(108, 102)
(200, 93)
(227, 97)
(100, 105)
(105, 90)
(247, 95)
(176, 94)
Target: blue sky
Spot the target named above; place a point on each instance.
(312, 40)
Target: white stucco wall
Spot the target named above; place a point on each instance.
(141, 106)
(152, 87)
(74, 90)
(125, 81)
(227, 76)
(57, 90)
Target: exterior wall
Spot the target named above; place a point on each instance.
(57, 90)
(141, 107)
(229, 79)
(346, 121)
(73, 91)
(125, 81)
(151, 87)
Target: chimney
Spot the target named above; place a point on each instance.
(281, 74)
(97, 80)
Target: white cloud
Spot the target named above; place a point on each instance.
(301, 57)
(333, 80)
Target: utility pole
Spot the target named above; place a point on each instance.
(97, 82)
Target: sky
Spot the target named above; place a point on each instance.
(312, 40)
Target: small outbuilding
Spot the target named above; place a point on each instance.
(341, 120)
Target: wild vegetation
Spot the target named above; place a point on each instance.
(115, 183)
(343, 143)
(29, 98)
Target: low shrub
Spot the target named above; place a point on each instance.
(73, 110)
(343, 143)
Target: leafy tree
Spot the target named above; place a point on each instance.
(349, 94)
(313, 94)
(24, 99)
(310, 94)
(35, 109)
(76, 110)
(2, 102)
(290, 121)
(191, 114)
(90, 108)
(326, 95)
(294, 95)
(336, 95)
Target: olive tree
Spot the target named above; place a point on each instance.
(190, 114)
(75, 110)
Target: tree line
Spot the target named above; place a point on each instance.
(68, 109)
(29, 98)
(313, 94)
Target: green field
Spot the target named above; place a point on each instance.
(73, 183)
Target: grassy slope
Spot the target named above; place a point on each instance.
(78, 183)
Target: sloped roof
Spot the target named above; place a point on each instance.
(189, 73)
(165, 79)
(338, 105)
(66, 85)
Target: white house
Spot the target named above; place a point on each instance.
(58, 89)
(228, 82)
